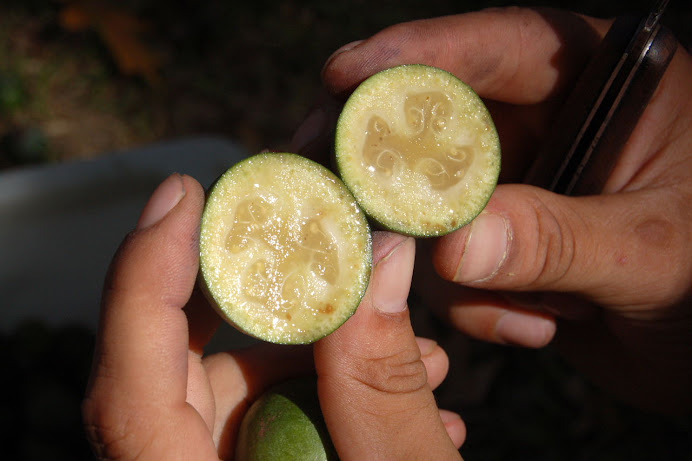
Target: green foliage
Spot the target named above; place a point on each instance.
(12, 92)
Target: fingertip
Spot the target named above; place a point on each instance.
(426, 345)
(394, 257)
(435, 360)
(164, 198)
(383, 244)
(527, 329)
(348, 47)
(172, 191)
(448, 251)
(191, 183)
(487, 316)
(476, 252)
(455, 426)
(193, 190)
(343, 70)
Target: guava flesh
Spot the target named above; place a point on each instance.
(285, 251)
(418, 149)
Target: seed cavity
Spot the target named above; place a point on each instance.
(424, 147)
(250, 218)
(298, 255)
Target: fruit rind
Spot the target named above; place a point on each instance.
(291, 210)
(411, 203)
(285, 423)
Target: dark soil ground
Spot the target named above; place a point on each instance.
(250, 72)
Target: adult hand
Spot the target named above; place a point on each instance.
(611, 274)
(153, 394)
(373, 389)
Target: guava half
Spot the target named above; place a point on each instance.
(418, 149)
(285, 251)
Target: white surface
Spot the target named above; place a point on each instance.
(60, 224)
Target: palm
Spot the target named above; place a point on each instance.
(642, 321)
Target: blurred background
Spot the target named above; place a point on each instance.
(97, 96)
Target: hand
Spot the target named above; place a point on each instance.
(372, 384)
(607, 277)
(153, 394)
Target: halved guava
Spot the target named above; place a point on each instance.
(285, 423)
(418, 149)
(285, 251)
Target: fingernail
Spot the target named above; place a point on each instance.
(527, 330)
(308, 131)
(340, 51)
(426, 346)
(486, 248)
(391, 279)
(166, 196)
(449, 416)
(456, 429)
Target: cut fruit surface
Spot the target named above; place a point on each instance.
(418, 149)
(285, 251)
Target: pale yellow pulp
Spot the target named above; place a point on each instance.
(285, 251)
(418, 149)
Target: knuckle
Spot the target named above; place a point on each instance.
(109, 431)
(399, 373)
(556, 246)
(101, 431)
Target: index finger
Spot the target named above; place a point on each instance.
(515, 55)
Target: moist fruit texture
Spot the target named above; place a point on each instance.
(285, 251)
(285, 424)
(418, 149)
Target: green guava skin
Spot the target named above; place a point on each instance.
(285, 424)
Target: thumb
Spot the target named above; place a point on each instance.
(373, 386)
(529, 239)
(142, 383)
